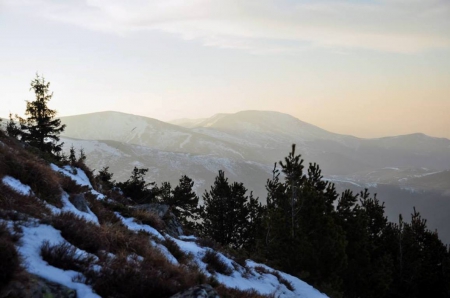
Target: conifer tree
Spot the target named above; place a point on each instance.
(41, 129)
(136, 188)
(105, 177)
(302, 235)
(226, 213)
(185, 202)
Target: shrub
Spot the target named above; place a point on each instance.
(175, 250)
(208, 242)
(70, 186)
(215, 264)
(79, 232)
(19, 205)
(9, 258)
(281, 279)
(127, 277)
(99, 208)
(32, 171)
(225, 292)
(64, 256)
(148, 218)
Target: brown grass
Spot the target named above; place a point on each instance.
(9, 258)
(17, 162)
(125, 276)
(215, 264)
(225, 292)
(174, 249)
(64, 256)
(281, 279)
(92, 238)
(19, 205)
(148, 218)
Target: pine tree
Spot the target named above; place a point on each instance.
(41, 129)
(302, 235)
(185, 202)
(104, 177)
(225, 213)
(136, 188)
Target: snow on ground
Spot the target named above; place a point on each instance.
(69, 207)
(134, 226)
(165, 252)
(79, 176)
(30, 247)
(17, 186)
(241, 278)
(264, 283)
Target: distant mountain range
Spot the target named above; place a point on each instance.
(247, 144)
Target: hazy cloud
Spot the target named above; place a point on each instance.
(403, 26)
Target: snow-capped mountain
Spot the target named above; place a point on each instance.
(247, 144)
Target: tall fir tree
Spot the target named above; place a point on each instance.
(40, 128)
(302, 235)
(184, 202)
(226, 213)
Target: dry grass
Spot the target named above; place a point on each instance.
(281, 279)
(19, 205)
(87, 236)
(174, 249)
(31, 170)
(225, 292)
(9, 258)
(64, 256)
(215, 264)
(148, 218)
(125, 276)
(101, 210)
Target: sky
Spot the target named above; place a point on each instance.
(367, 68)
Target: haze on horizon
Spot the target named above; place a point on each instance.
(367, 68)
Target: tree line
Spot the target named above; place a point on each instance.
(342, 244)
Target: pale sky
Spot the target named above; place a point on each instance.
(366, 68)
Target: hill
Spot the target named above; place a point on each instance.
(61, 236)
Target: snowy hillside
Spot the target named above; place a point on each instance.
(43, 233)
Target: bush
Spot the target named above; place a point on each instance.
(32, 171)
(9, 258)
(130, 277)
(20, 205)
(64, 256)
(87, 236)
(215, 264)
(225, 292)
(175, 250)
(281, 279)
(148, 218)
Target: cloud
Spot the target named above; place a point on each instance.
(267, 26)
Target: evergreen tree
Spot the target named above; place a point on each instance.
(72, 156)
(12, 128)
(184, 202)
(41, 129)
(136, 188)
(302, 235)
(225, 213)
(105, 177)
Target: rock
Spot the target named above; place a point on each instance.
(173, 225)
(159, 209)
(79, 202)
(201, 291)
(37, 287)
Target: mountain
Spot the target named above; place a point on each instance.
(247, 144)
(60, 236)
(186, 122)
